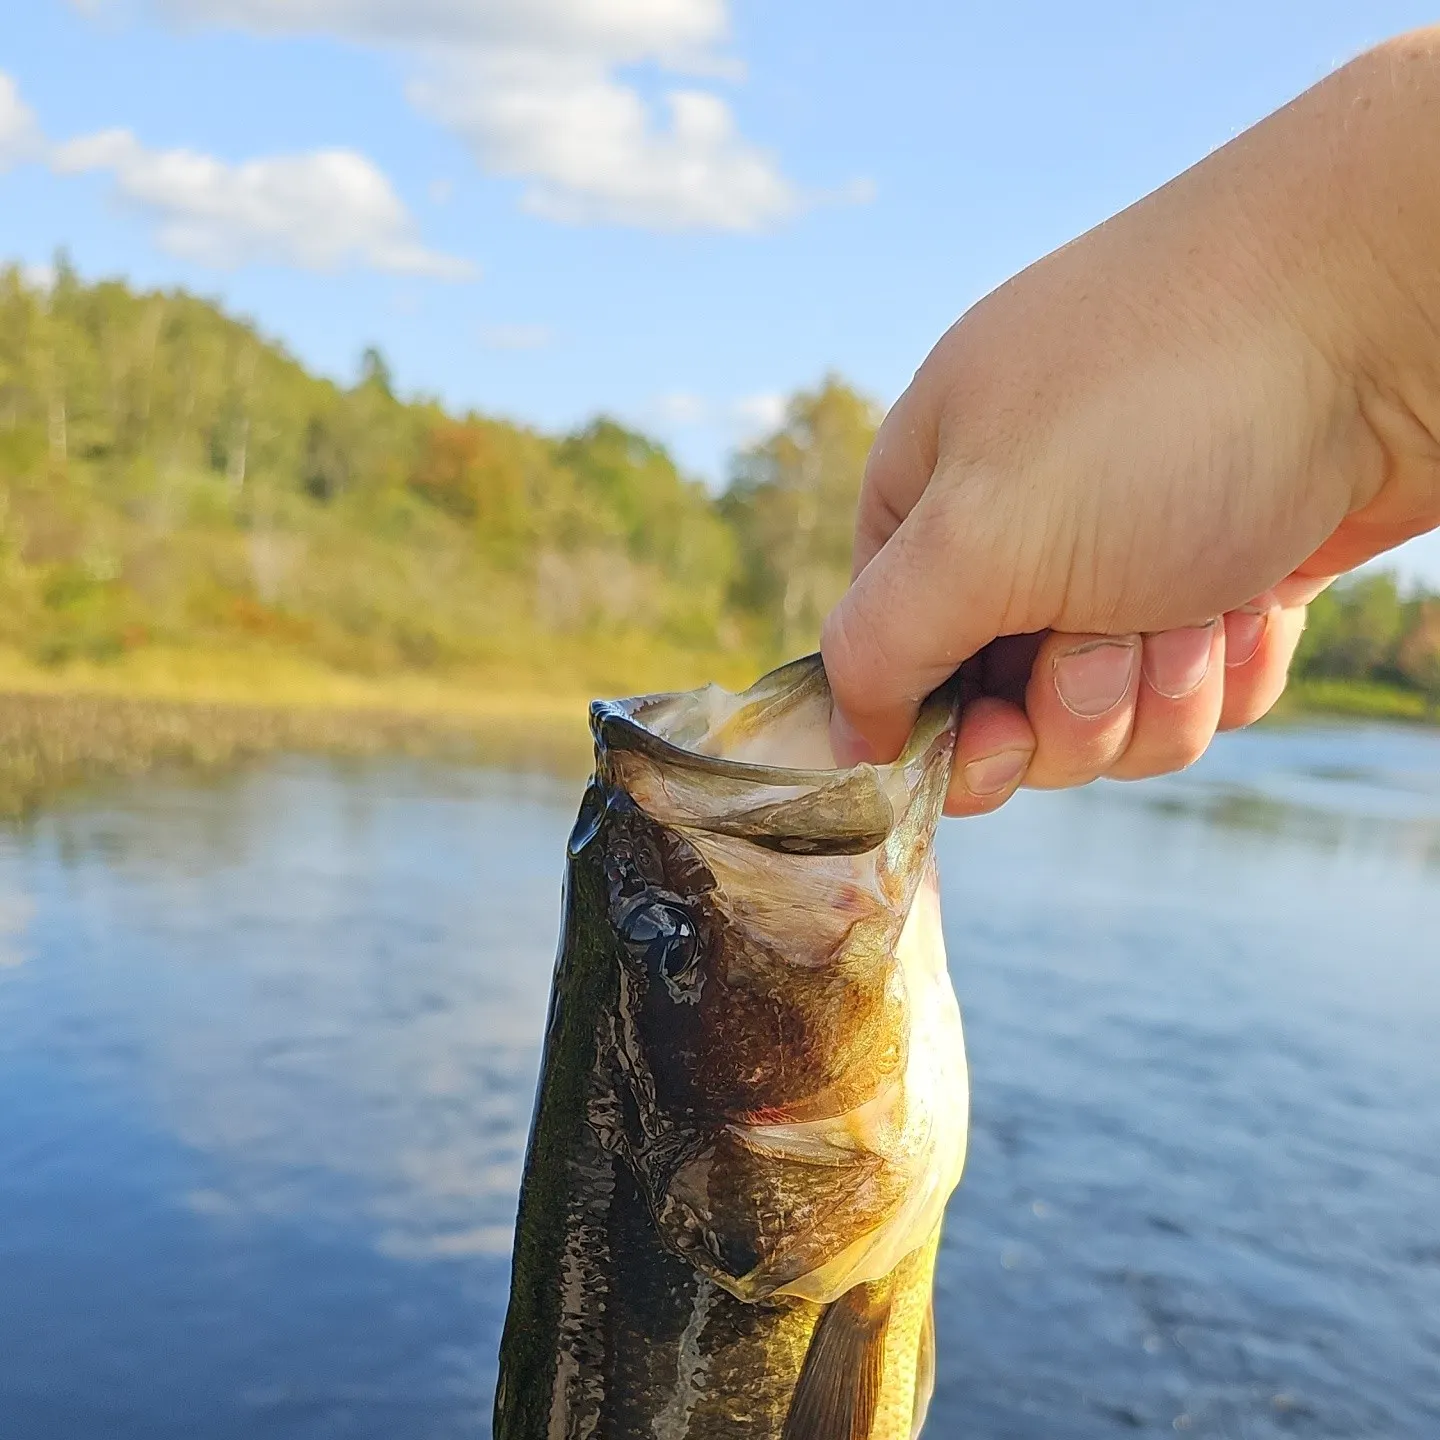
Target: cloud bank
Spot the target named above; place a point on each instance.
(617, 29)
(20, 137)
(320, 210)
(537, 90)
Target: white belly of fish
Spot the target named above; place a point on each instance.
(918, 1126)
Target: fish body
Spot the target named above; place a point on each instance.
(753, 1101)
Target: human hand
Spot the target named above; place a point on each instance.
(1115, 484)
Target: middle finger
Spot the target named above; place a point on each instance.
(1081, 702)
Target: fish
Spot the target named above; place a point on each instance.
(753, 1099)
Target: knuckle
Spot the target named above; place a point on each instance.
(848, 646)
(1054, 769)
(960, 802)
(1250, 704)
(1166, 754)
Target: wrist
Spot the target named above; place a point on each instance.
(1354, 229)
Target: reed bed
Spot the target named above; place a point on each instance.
(56, 739)
(51, 742)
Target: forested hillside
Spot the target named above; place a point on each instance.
(172, 480)
(170, 477)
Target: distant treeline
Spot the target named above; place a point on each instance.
(1366, 628)
(170, 476)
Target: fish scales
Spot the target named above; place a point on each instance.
(753, 1101)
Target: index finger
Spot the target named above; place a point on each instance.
(928, 600)
(901, 462)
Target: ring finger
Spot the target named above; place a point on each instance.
(1178, 706)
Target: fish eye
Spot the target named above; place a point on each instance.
(664, 936)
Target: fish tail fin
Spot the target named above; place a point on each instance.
(839, 1386)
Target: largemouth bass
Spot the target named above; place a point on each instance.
(753, 1103)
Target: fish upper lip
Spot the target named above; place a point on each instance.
(614, 725)
(616, 728)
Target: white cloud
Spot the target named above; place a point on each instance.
(701, 430)
(320, 210)
(620, 29)
(38, 276)
(533, 88)
(681, 407)
(515, 337)
(742, 420)
(760, 414)
(20, 137)
(591, 150)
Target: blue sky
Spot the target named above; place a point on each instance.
(508, 197)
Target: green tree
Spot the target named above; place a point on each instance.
(1418, 656)
(792, 504)
(168, 473)
(375, 371)
(1354, 630)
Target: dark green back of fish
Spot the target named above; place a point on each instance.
(605, 1327)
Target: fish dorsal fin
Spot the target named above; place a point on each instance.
(839, 1385)
(924, 1371)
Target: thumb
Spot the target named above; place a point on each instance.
(932, 596)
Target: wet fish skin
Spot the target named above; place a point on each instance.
(731, 1108)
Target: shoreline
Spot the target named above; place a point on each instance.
(1356, 700)
(63, 729)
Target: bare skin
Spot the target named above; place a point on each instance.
(1116, 482)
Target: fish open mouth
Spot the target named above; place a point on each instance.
(758, 765)
(781, 723)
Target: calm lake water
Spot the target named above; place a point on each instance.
(267, 1050)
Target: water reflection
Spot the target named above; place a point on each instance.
(341, 985)
(1357, 788)
(269, 1058)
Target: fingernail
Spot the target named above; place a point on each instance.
(1094, 678)
(847, 744)
(1176, 661)
(993, 773)
(1244, 630)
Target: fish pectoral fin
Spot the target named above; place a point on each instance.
(839, 1385)
(924, 1371)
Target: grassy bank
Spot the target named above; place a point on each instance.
(62, 726)
(557, 680)
(55, 741)
(1356, 700)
